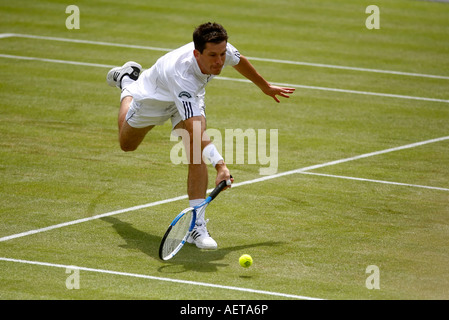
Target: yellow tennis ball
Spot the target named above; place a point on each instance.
(246, 261)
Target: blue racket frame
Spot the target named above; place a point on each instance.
(211, 197)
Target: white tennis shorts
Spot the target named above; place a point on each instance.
(150, 112)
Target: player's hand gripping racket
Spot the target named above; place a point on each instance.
(181, 227)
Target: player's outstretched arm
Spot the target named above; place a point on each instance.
(245, 68)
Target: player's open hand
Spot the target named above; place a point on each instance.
(274, 91)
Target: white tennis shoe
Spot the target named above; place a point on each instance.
(115, 75)
(201, 237)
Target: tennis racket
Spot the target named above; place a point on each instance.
(179, 230)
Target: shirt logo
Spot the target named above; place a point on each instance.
(185, 94)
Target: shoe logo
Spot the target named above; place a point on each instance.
(194, 234)
(115, 76)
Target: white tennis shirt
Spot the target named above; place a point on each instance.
(177, 79)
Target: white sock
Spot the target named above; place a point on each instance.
(126, 81)
(200, 213)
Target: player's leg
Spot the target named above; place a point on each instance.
(129, 137)
(197, 179)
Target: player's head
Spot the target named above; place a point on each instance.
(210, 41)
(208, 32)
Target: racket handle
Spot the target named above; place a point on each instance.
(218, 189)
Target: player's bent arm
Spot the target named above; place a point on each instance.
(245, 68)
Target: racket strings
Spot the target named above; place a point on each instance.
(177, 234)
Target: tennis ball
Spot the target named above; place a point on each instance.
(246, 261)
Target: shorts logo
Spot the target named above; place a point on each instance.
(188, 111)
(185, 94)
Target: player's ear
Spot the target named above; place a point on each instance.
(196, 53)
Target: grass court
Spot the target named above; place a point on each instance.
(363, 154)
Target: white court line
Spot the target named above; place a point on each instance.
(76, 63)
(374, 180)
(367, 93)
(388, 95)
(330, 66)
(6, 35)
(101, 43)
(143, 276)
(309, 64)
(108, 214)
(332, 163)
(235, 185)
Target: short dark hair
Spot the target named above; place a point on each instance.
(208, 32)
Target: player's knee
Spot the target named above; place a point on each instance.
(127, 147)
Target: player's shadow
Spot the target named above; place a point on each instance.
(135, 239)
(192, 258)
(189, 258)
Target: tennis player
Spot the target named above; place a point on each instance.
(174, 88)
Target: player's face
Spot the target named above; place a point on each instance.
(212, 60)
